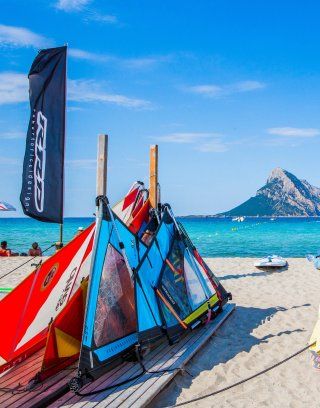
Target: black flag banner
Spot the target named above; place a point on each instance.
(43, 168)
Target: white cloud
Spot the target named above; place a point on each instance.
(82, 163)
(72, 5)
(93, 15)
(132, 63)
(203, 142)
(22, 37)
(216, 91)
(206, 90)
(74, 108)
(294, 132)
(87, 55)
(93, 91)
(144, 62)
(186, 137)
(246, 86)
(213, 146)
(13, 88)
(12, 135)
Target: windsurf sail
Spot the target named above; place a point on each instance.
(315, 337)
(64, 336)
(25, 313)
(176, 291)
(138, 293)
(126, 208)
(6, 206)
(110, 321)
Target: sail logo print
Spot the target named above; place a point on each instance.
(49, 276)
(40, 161)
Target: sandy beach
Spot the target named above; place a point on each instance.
(274, 317)
(14, 278)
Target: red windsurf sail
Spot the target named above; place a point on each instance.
(124, 208)
(140, 218)
(26, 312)
(64, 336)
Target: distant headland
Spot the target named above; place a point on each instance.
(283, 195)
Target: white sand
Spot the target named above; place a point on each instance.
(274, 317)
(14, 278)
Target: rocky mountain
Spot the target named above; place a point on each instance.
(283, 195)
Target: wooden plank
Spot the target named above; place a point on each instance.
(21, 370)
(48, 387)
(70, 399)
(154, 365)
(102, 160)
(149, 391)
(137, 388)
(153, 176)
(107, 397)
(139, 392)
(21, 373)
(127, 370)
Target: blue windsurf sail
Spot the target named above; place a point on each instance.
(110, 322)
(174, 289)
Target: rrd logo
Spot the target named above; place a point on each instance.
(49, 276)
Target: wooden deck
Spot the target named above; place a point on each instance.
(140, 392)
(13, 383)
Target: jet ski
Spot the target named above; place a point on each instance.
(271, 261)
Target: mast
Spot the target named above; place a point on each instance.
(153, 176)
(102, 160)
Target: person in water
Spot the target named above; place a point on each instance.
(5, 251)
(35, 250)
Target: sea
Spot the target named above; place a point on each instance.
(214, 237)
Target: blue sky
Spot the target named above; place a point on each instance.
(228, 89)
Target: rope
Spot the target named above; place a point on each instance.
(24, 263)
(211, 394)
(76, 383)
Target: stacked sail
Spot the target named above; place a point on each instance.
(140, 292)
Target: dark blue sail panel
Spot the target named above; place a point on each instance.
(147, 276)
(172, 285)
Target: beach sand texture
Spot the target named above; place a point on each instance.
(14, 278)
(275, 315)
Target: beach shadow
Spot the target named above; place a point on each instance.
(233, 337)
(263, 273)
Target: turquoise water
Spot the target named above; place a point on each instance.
(289, 237)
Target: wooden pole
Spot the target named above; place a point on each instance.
(102, 165)
(153, 176)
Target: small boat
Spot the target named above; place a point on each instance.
(271, 261)
(238, 219)
(272, 219)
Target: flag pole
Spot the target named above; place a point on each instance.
(59, 244)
